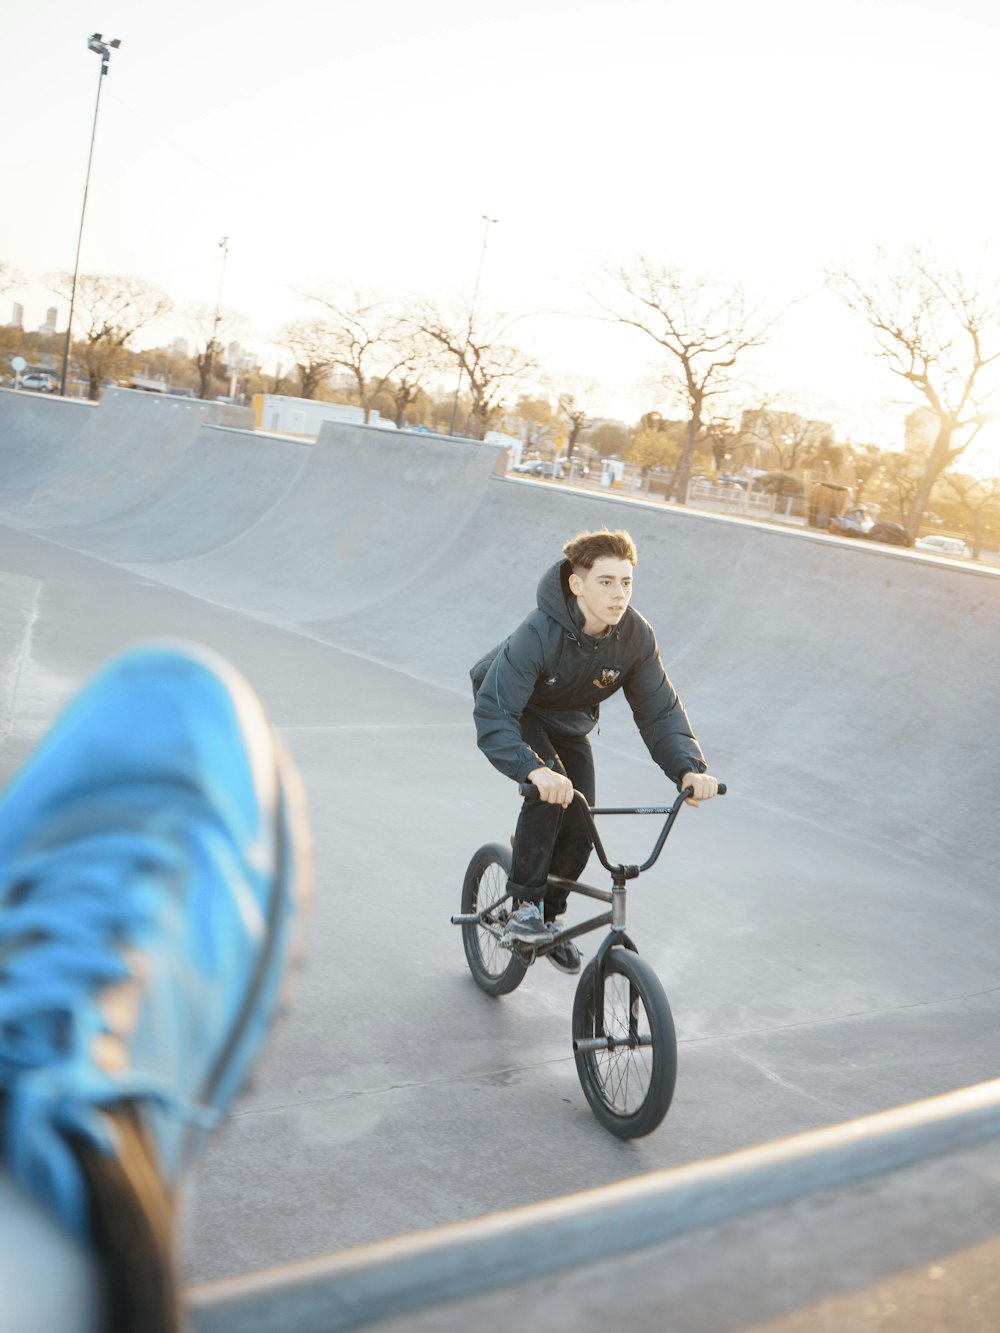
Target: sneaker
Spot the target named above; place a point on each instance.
(154, 855)
(525, 925)
(565, 956)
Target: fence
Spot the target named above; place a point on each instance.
(733, 499)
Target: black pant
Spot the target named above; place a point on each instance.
(548, 839)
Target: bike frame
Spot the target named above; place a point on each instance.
(621, 873)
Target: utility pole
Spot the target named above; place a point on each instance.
(217, 318)
(472, 316)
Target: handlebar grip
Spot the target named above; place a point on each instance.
(722, 789)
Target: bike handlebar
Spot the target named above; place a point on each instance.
(530, 792)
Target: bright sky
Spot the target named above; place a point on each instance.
(758, 142)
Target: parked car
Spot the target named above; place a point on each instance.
(558, 468)
(942, 545)
(38, 380)
(894, 534)
(860, 521)
(540, 467)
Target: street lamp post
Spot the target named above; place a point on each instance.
(472, 314)
(217, 319)
(96, 44)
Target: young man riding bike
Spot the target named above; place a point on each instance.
(538, 697)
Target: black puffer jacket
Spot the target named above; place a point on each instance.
(549, 667)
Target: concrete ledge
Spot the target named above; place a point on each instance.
(505, 1250)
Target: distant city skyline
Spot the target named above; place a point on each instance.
(21, 318)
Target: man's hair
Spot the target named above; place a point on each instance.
(588, 547)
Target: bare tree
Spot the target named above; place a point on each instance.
(404, 389)
(213, 327)
(9, 277)
(704, 327)
(977, 496)
(575, 405)
(937, 328)
(112, 310)
(900, 477)
(867, 469)
(363, 334)
(309, 341)
(412, 361)
(475, 343)
(723, 439)
(793, 439)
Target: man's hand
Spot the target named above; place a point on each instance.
(703, 785)
(553, 788)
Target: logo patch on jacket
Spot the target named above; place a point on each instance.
(608, 677)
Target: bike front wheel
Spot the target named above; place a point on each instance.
(496, 969)
(628, 1076)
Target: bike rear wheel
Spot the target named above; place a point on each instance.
(496, 969)
(629, 1086)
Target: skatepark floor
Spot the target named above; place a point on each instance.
(815, 972)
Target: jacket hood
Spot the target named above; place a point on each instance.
(556, 600)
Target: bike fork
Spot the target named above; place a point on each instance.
(615, 939)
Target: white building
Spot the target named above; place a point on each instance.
(305, 416)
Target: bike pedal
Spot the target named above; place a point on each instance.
(520, 950)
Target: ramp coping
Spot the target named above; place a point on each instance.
(421, 1270)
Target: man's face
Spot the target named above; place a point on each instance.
(602, 592)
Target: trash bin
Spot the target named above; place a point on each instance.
(827, 499)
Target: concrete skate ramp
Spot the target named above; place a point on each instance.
(856, 682)
(132, 476)
(222, 484)
(33, 439)
(368, 514)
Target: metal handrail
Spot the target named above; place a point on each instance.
(363, 1285)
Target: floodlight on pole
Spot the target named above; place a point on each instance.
(95, 43)
(217, 318)
(472, 314)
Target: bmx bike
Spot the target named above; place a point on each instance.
(623, 1034)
